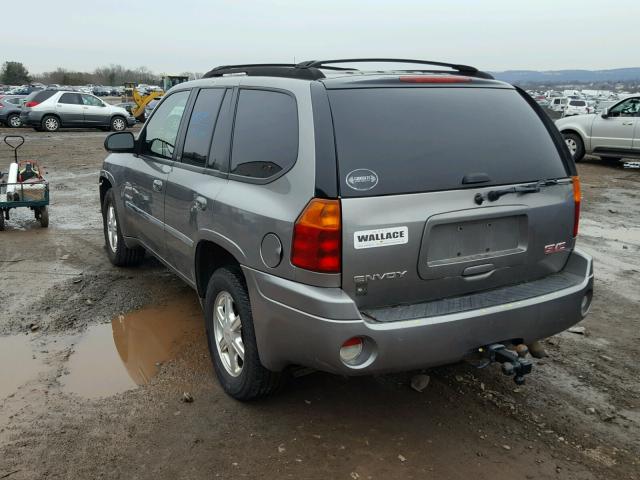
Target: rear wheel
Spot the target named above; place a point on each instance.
(232, 340)
(118, 124)
(14, 121)
(575, 145)
(51, 123)
(119, 254)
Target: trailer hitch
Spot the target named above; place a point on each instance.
(513, 363)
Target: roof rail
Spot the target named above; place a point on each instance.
(288, 70)
(462, 69)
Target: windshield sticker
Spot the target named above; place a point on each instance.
(362, 179)
(381, 237)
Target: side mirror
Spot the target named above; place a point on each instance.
(605, 113)
(120, 142)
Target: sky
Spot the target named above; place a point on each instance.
(178, 36)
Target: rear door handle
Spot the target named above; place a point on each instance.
(157, 185)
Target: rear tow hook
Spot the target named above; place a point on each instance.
(513, 363)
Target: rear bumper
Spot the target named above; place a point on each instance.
(304, 325)
(31, 118)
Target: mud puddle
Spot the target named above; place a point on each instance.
(116, 357)
(18, 364)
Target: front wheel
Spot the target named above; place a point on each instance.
(575, 145)
(118, 124)
(43, 216)
(232, 340)
(118, 252)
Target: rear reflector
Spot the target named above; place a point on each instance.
(351, 349)
(317, 237)
(31, 104)
(434, 79)
(576, 202)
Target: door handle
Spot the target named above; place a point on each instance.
(157, 185)
(200, 203)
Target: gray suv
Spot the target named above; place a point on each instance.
(354, 222)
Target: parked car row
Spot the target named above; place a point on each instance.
(611, 135)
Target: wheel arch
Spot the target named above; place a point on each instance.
(104, 185)
(209, 256)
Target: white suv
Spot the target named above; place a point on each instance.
(576, 107)
(51, 110)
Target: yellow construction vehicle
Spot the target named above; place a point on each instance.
(131, 94)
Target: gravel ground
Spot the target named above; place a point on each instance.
(578, 416)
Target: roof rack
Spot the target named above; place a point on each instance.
(288, 70)
(311, 69)
(466, 70)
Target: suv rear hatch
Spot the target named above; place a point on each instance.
(417, 165)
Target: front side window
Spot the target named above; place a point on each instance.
(201, 125)
(265, 136)
(70, 99)
(91, 101)
(162, 129)
(628, 108)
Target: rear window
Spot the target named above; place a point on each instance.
(577, 103)
(406, 140)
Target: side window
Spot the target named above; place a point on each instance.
(265, 135)
(628, 108)
(219, 156)
(91, 101)
(70, 99)
(201, 125)
(162, 129)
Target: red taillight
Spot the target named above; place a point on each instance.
(317, 237)
(434, 79)
(31, 104)
(576, 202)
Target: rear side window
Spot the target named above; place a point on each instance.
(265, 135)
(406, 140)
(40, 96)
(201, 125)
(70, 98)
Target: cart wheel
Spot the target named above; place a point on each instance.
(1, 220)
(44, 217)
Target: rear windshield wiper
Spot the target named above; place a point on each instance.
(494, 195)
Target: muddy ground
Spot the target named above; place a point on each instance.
(92, 372)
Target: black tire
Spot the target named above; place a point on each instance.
(254, 380)
(1, 220)
(579, 145)
(611, 160)
(119, 254)
(50, 123)
(118, 124)
(13, 121)
(43, 216)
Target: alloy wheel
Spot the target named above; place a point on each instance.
(112, 228)
(227, 329)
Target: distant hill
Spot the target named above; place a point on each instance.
(569, 76)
